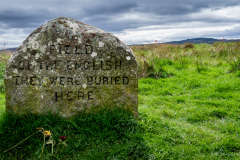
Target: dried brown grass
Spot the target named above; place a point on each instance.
(155, 50)
(146, 55)
(188, 45)
(5, 55)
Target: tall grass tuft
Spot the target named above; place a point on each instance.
(4, 56)
(202, 55)
(188, 45)
(153, 58)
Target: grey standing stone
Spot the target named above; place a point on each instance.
(66, 67)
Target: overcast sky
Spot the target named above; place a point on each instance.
(139, 21)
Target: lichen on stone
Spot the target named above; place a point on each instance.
(66, 66)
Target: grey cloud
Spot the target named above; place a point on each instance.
(163, 13)
(228, 33)
(113, 16)
(106, 13)
(234, 32)
(21, 18)
(177, 7)
(109, 8)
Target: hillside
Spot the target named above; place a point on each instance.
(202, 40)
(188, 109)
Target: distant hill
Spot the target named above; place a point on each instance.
(10, 49)
(202, 40)
(195, 41)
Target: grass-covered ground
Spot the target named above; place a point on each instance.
(189, 108)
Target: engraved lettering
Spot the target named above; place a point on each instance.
(117, 80)
(125, 80)
(25, 81)
(89, 95)
(60, 50)
(90, 80)
(33, 81)
(56, 64)
(69, 80)
(94, 66)
(80, 94)
(40, 65)
(118, 65)
(105, 79)
(53, 80)
(101, 65)
(77, 81)
(52, 49)
(77, 50)
(68, 96)
(88, 67)
(67, 49)
(62, 80)
(108, 65)
(49, 65)
(28, 66)
(99, 81)
(69, 65)
(57, 95)
(39, 81)
(77, 65)
(88, 49)
(21, 65)
(17, 77)
(71, 69)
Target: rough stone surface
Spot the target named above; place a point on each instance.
(66, 66)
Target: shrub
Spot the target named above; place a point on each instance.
(234, 63)
(188, 45)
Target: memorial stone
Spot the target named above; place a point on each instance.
(67, 67)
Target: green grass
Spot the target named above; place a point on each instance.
(105, 135)
(189, 108)
(192, 115)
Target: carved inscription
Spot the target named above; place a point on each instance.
(67, 49)
(71, 96)
(65, 81)
(70, 65)
(67, 67)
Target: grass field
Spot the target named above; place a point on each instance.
(189, 108)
